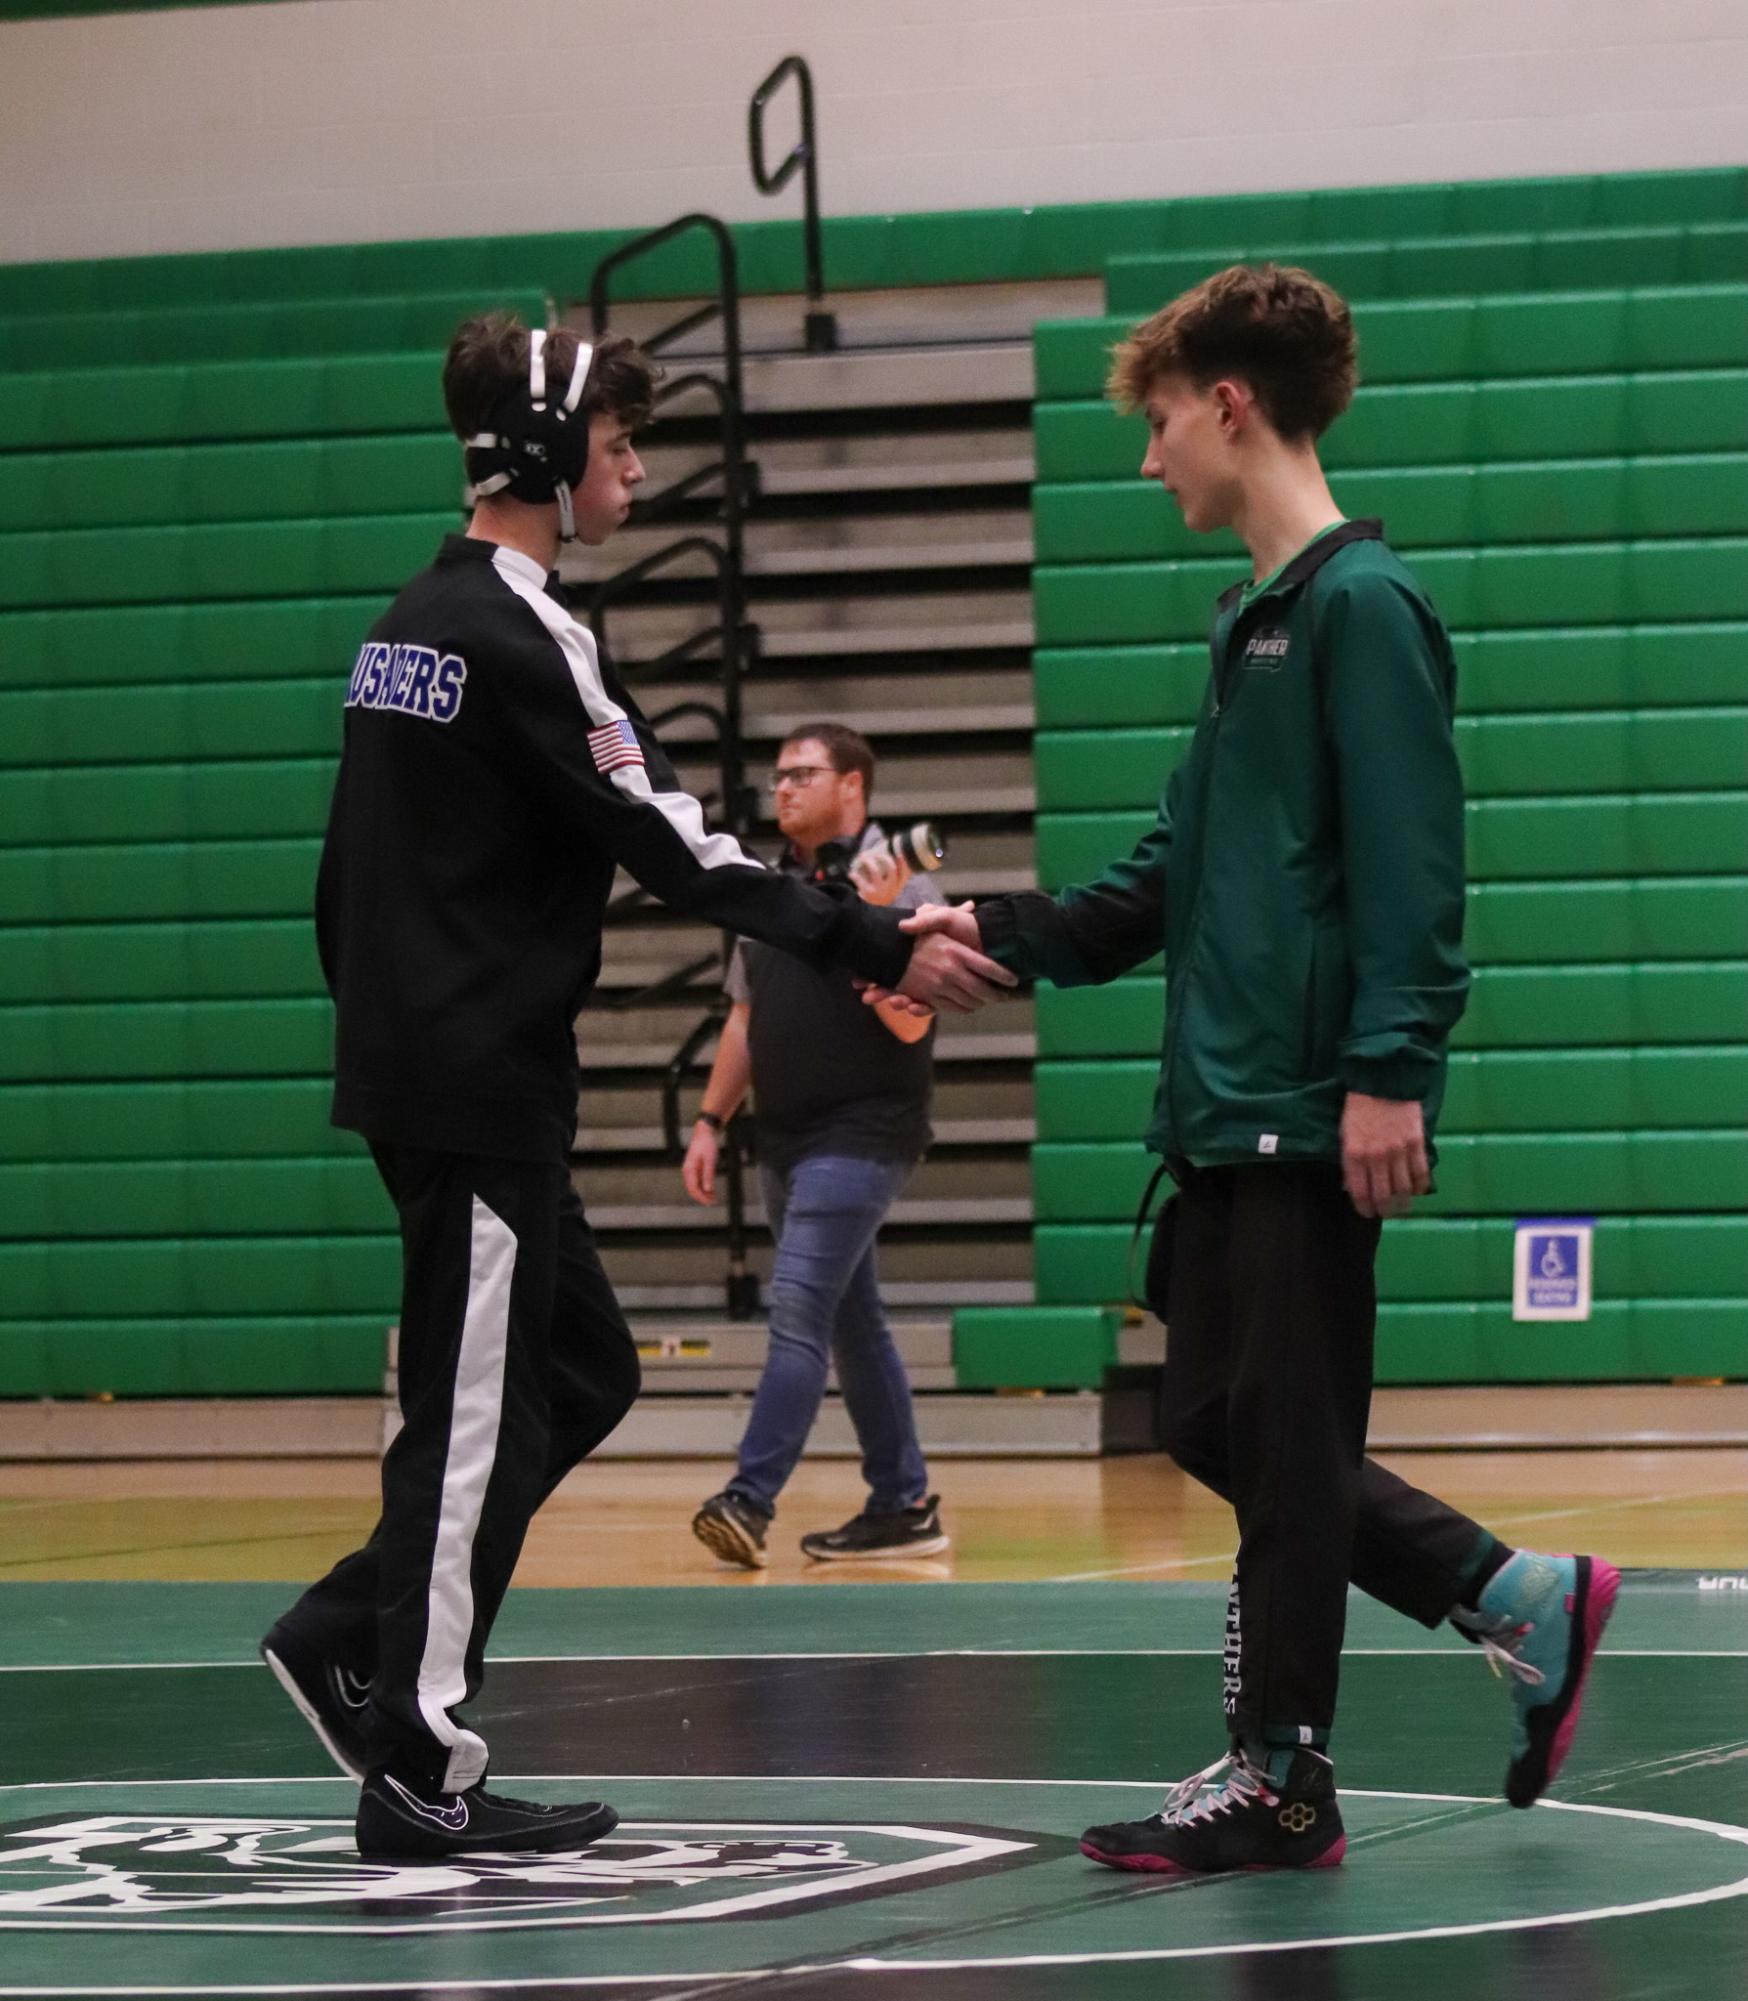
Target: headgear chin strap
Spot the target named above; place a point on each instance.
(536, 450)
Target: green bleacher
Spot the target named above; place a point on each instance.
(213, 470)
(1560, 453)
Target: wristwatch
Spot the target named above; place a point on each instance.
(713, 1121)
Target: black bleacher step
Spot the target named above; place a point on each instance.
(988, 1266)
(975, 855)
(990, 1175)
(930, 377)
(698, 1353)
(871, 565)
(836, 544)
(605, 1054)
(683, 1298)
(596, 1139)
(950, 1425)
(972, 1107)
(854, 463)
(914, 701)
(645, 1037)
(628, 971)
(812, 626)
(896, 316)
(899, 1294)
(692, 1378)
(919, 784)
(687, 1216)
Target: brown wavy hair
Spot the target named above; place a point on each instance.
(1274, 327)
(489, 355)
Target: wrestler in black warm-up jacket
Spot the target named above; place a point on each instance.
(494, 776)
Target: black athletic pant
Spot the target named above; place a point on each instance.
(1267, 1389)
(515, 1362)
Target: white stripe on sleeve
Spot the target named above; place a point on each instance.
(681, 811)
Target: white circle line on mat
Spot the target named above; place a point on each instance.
(872, 1964)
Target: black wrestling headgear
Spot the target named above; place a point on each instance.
(536, 449)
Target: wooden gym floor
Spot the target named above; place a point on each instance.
(1011, 1520)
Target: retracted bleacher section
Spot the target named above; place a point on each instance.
(1553, 427)
(214, 470)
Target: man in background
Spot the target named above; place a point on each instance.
(841, 1117)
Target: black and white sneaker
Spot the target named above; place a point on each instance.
(1232, 1816)
(401, 1822)
(733, 1529)
(330, 1697)
(910, 1532)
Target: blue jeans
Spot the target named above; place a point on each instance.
(825, 1212)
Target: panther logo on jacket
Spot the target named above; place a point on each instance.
(1267, 649)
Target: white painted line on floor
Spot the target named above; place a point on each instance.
(1605, 1505)
(1141, 1569)
(1684, 1900)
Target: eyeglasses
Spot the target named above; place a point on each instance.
(796, 774)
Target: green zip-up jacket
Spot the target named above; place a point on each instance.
(1305, 873)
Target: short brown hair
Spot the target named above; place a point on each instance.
(848, 749)
(1272, 326)
(489, 356)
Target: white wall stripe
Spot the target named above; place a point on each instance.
(473, 1450)
(217, 127)
(577, 643)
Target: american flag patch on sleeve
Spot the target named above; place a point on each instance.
(615, 745)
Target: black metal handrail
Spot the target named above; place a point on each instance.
(670, 986)
(725, 389)
(674, 1077)
(821, 329)
(739, 640)
(743, 473)
(732, 632)
(725, 304)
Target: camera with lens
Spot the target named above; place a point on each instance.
(920, 848)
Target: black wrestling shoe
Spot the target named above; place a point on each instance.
(733, 1529)
(330, 1698)
(1242, 1821)
(400, 1822)
(910, 1532)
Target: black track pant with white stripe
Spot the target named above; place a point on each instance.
(1267, 1389)
(515, 1362)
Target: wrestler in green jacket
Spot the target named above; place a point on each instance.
(1305, 872)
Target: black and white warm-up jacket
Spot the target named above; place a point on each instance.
(493, 777)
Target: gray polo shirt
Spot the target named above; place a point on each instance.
(828, 1075)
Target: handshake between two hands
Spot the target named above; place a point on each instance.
(948, 969)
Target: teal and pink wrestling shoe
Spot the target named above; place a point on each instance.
(1540, 1622)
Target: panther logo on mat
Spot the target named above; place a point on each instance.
(175, 1871)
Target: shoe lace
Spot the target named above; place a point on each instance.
(1501, 1644)
(1186, 1803)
